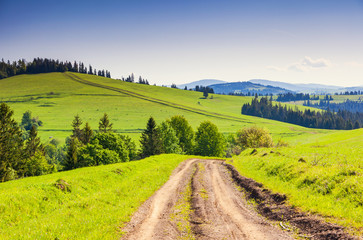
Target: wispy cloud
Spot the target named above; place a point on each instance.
(305, 64)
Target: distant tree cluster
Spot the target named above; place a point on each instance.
(45, 65)
(308, 118)
(289, 97)
(131, 79)
(175, 135)
(348, 105)
(204, 89)
(87, 148)
(359, 92)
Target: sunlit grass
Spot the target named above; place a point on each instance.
(101, 199)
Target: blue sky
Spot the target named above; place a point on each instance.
(183, 41)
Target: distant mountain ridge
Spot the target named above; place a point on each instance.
(264, 86)
(203, 82)
(246, 88)
(307, 88)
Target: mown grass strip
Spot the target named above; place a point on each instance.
(154, 100)
(87, 203)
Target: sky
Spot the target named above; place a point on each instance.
(170, 41)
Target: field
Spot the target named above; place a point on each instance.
(320, 172)
(99, 201)
(324, 177)
(56, 98)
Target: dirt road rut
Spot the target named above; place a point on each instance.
(218, 210)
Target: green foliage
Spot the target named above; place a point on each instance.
(254, 137)
(76, 124)
(170, 142)
(71, 160)
(113, 142)
(150, 141)
(184, 132)
(87, 134)
(10, 144)
(209, 142)
(28, 121)
(94, 155)
(36, 165)
(104, 125)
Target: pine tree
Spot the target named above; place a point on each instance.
(87, 134)
(104, 124)
(33, 143)
(10, 144)
(76, 124)
(71, 161)
(150, 140)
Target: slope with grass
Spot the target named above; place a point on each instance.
(87, 203)
(57, 97)
(324, 176)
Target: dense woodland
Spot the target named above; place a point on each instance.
(45, 65)
(289, 97)
(342, 119)
(348, 105)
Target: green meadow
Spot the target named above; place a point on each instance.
(323, 177)
(320, 171)
(57, 97)
(95, 204)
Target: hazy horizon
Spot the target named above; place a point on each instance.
(184, 41)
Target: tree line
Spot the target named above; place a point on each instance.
(308, 118)
(359, 92)
(22, 154)
(45, 65)
(348, 105)
(289, 97)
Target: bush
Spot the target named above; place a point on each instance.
(209, 142)
(254, 137)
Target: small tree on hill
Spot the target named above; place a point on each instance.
(209, 142)
(254, 137)
(184, 133)
(104, 125)
(150, 140)
(87, 134)
(205, 93)
(170, 142)
(76, 124)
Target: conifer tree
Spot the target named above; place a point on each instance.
(76, 124)
(150, 140)
(104, 125)
(10, 144)
(87, 134)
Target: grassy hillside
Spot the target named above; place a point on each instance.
(324, 177)
(99, 200)
(57, 97)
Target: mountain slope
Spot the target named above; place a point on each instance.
(245, 88)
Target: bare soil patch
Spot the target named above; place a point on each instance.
(220, 209)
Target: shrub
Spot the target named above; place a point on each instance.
(254, 137)
(209, 142)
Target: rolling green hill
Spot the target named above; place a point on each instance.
(321, 171)
(57, 97)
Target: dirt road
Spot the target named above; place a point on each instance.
(217, 209)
